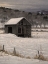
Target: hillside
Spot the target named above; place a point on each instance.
(34, 18)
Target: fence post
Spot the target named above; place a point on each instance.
(14, 51)
(38, 54)
(3, 47)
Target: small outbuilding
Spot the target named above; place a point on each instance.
(18, 26)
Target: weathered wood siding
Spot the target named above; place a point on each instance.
(26, 28)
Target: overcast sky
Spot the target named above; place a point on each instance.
(24, 4)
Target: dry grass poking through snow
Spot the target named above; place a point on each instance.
(41, 57)
(15, 53)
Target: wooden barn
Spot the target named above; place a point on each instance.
(18, 26)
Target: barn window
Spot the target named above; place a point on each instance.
(19, 29)
(21, 23)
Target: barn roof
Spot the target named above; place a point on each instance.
(13, 21)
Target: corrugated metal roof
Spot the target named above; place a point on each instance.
(13, 21)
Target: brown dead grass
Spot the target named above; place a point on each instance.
(41, 57)
(28, 57)
(18, 54)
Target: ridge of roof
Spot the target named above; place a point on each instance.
(13, 21)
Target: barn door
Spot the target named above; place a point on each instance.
(9, 29)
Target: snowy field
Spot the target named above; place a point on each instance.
(27, 47)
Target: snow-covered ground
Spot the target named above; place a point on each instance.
(18, 60)
(27, 47)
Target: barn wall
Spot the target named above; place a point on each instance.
(6, 29)
(14, 28)
(25, 22)
(26, 26)
(28, 31)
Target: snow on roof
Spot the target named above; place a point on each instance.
(13, 21)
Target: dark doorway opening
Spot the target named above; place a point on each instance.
(9, 29)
